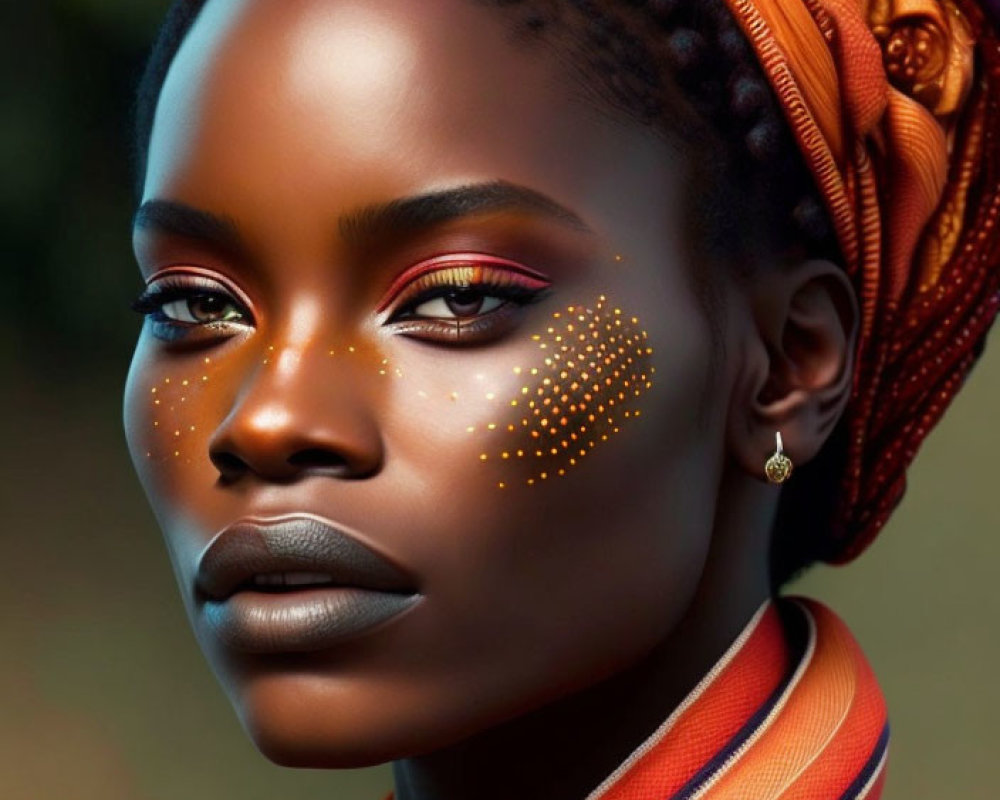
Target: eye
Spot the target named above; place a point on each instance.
(201, 308)
(466, 302)
(179, 306)
(463, 299)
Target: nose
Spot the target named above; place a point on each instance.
(294, 419)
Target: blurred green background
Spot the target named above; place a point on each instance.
(103, 692)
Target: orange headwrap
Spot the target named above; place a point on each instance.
(895, 105)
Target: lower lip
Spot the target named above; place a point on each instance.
(299, 621)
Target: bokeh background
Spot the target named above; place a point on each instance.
(103, 692)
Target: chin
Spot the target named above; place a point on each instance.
(309, 742)
(323, 722)
(297, 751)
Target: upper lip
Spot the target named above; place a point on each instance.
(298, 543)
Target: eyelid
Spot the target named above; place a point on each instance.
(200, 273)
(532, 278)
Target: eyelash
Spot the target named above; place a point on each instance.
(514, 288)
(171, 289)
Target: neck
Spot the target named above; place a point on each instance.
(565, 749)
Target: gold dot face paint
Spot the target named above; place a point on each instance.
(172, 402)
(594, 364)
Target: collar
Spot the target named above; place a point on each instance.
(791, 710)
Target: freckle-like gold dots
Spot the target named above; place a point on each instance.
(350, 348)
(501, 485)
(589, 390)
(453, 395)
(153, 390)
(483, 456)
(490, 395)
(470, 429)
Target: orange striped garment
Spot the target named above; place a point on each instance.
(791, 710)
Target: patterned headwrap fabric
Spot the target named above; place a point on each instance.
(895, 105)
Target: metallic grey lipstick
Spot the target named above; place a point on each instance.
(295, 584)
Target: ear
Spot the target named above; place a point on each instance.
(798, 362)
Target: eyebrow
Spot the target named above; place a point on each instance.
(370, 223)
(184, 220)
(411, 214)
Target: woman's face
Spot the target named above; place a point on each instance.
(497, 388)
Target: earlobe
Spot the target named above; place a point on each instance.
(801, 363)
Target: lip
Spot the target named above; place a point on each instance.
(367, 589)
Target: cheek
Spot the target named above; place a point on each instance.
(164, 418)
(582, 386)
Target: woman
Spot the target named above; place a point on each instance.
(480, 336)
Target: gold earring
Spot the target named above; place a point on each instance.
(779, 466)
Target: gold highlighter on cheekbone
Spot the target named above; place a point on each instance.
(593, 365)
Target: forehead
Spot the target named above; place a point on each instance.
(299, 98)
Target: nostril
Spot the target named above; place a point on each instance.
(230, 467)
(318, 458)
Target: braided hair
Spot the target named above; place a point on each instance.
(682, 68)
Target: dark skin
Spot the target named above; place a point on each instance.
(561, 620)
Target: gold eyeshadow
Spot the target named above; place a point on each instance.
(461, 270)
(468, 276)
(593, 366)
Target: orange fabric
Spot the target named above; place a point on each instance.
(825, 732)
(691, 738)
(798, 718)
(893, 104)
